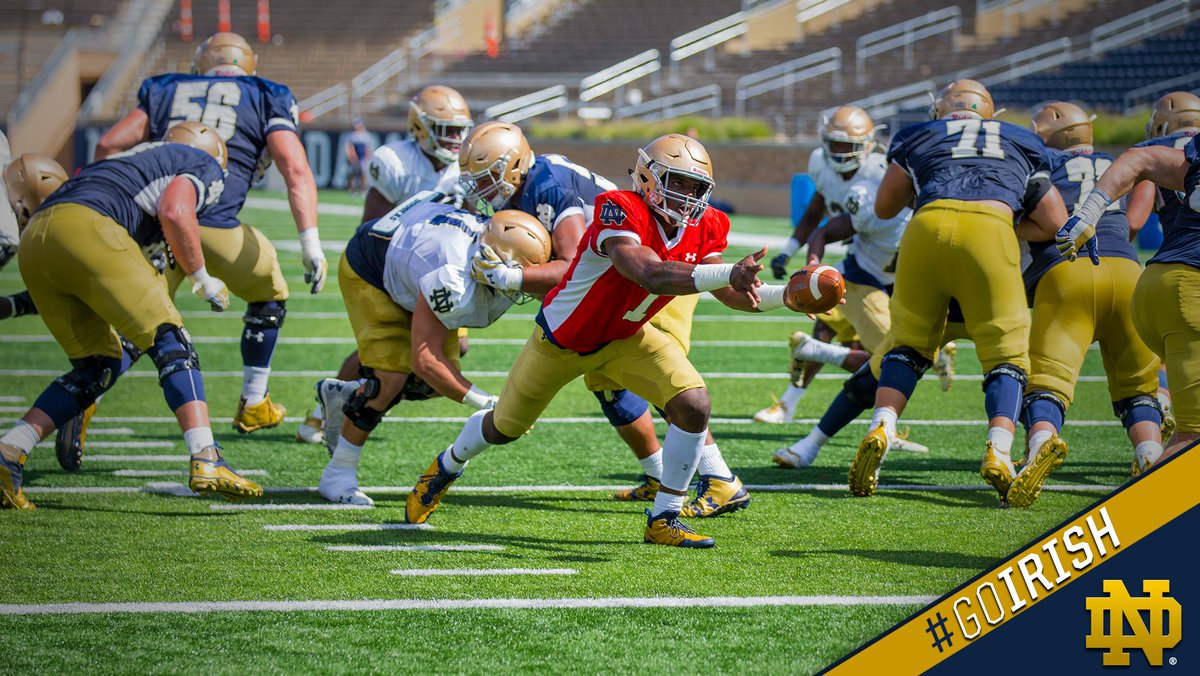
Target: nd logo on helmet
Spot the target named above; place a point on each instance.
(1163, 631)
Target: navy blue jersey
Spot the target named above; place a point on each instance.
(1074, 175)
(243, 110)
(127, 186)
(556, 188)
(366, 254)
(1181, 243)
(1167, 203)
(968, 159)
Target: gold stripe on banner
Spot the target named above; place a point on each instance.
(1064, 555)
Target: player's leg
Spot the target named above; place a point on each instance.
(70, 440)
(540, 371)
(631, 419)
(1167, 317)
(856, 396)
(803, 371)
(311, 431)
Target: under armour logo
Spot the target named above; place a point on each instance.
(439, 300)
(690, 258)
(1124, 610)
(258, 337)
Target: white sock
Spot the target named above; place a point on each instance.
(197, 439)
(1002, 440)
(318, 412)
(1148, 450)
(23, 435)
(254, 383)
(346, 455)
(681, 453)
(809, 446)
(792, 397)
(470, 443)
(1036, 440)
(652, 465)
(712, 464)
(819, 350)
(886, 416)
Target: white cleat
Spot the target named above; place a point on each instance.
(310, 431)
(901, 443)
(789, 459)
(776, 414)
(333, 394)
(943, 365)
(341, 486)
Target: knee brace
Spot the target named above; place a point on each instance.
(356, 409)
(1140, 408)
(90, 378)
(268, 315)
(130, 349)
(909, 358)
(621, 407)
(1041, 406)
(172, 352)
(902, 368)
(1002, 390)
(1010, 370)
(416, 389)
(860, 387)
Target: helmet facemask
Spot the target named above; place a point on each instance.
(485, 191)
(845, 153)
(678, 195)
(442, 138)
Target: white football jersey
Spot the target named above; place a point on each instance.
(399, 170)
(430, 256)
(8, 220)
(876, 240)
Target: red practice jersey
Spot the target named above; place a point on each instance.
(594, 305)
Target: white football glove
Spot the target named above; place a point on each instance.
(489, 269)
(210, 289)
(480, 400)
(315, 265)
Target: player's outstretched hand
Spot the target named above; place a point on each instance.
(1075, 235)
(744, 277)
(489, 269)
(316, 268)
(210, 289)
(779, 266)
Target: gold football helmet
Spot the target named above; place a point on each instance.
(199, 136)
(674, 175)
(1063, 125)
(518, 237)
(494, 160)
(848, 136)
(962, 98)
(439, 119)
(1174, 112)
(30, 179)
(225, 55)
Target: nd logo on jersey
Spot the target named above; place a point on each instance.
(611, 214)
(1162, 633)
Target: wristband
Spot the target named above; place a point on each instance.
(1093, 207)
(711, 277)
(309, 239)
(770, 297)
(793, 245)
(477, 398)
(199, 276)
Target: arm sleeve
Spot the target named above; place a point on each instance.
(450, 293)
(282, 110)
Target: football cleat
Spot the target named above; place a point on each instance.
(776, 414)
(796, 365)
(789, 459)
(1168, 418)
(901, 443)
(667, 529)
(1027, 485)
(12, 466)
(263, 415)
(1141, 465)
(717, 496)
(71, 437)
(310, 431)
(998, 471)
(864, 470)
(333, 395)
(427, 494)
(341, 486)
(943, 365)
(214, 475)
(640, 493)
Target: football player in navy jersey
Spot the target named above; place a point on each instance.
(1165, 311)
(257, 119)
(966, 175)
(1074, 305)
(82, 260)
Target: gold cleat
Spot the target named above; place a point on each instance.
(428, 493)
(12, 465)
(943, 365)
(263, 415)
(864, 470)
(796, 366)
(1140, 466)
(667, 529)
(71, 439)
(1168, 420)
(717, 496)
(211, 474)
(310, 431)
(776, 414)
(1027, 485)
(642, 492)
(997, 471)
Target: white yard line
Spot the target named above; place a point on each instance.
(349, 340)
(347, 527)
(136, 458)
(463, 604)
(152, 473)
(109, 431)
(13, 409)
(12, 400)
(475, 572)
(297, 507)
(82, 490)
(118, 444)
(414, 548)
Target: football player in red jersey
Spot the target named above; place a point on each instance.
(643, 248)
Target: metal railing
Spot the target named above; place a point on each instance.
(139, 31)
(807, 10)
(982, 6)
(530, 105)
(704, 39)
(430, 41)
(904, 35)
(675, 105)
(1038, 58)
(325, 101)
(788, 74)
(888, 103)
(619, 75)
(1135, 26)
(374, 77)
(1135, 97)
(1026, 6)
(65, 49)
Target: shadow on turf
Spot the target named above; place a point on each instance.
(513, 544)
(904, 557)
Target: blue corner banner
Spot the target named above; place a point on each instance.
(1103, 592)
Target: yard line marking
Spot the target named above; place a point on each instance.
(430, 572)
(149, 473)
(611, 602)
(299, 314)
(414, 548)
(137, 458)
(114, 431)
(319, 506)
(350, 527)
(119, 444)
(349, 340)
(12, 400)
(83, 490)
(13, 409)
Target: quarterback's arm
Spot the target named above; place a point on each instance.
(564, 241)
(771, 296)
(642, 266)
(1140, 206)
(1166, 167)
(177, 214)
(429, 361)
(895, 192)
(376, 206)
(1041, 224)
(131, 130)
(287, 151)
(836, 229)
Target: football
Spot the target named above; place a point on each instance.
(816, 288)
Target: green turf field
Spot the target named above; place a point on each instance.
(800, 578)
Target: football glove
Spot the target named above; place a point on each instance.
(779, 266)
(315, 265)
(489, 269)
(210, 289)
(1076, 235)
(480, 400)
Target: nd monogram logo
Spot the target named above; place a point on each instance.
(1121, 608)
(611, 214)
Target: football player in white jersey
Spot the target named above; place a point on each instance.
(438, 120)
(406, 279)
